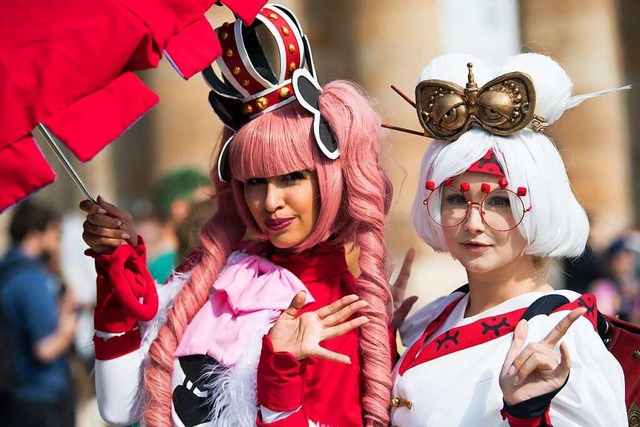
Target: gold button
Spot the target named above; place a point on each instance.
(247, 109)
(292, 48)
(262, 103)
(224, 35)
(285, 31)
(397, 402)
(284, 92)
(292, 66)
(273, 16)
(229, 53)
(236, 70)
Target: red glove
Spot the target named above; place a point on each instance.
(281, 386)
(126, 295)
(280, 379)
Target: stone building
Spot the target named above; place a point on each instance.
(377, 43)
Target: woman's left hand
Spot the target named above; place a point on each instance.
(402, 306)
(301, 335)
(535, 370)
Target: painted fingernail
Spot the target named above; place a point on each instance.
(102, 211)
(511, 371)
(126, 236)
(119, 223)
(516, 381)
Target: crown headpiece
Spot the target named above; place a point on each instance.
(248, 86)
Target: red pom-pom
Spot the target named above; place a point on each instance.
(485, 188)
(522, 191)
(465, 186)
(502, 182)
(430, 185)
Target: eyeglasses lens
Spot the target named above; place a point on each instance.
(501, 210)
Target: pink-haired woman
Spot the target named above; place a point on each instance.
(304, 185)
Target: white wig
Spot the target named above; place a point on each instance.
(557, 225)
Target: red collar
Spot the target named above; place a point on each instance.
(314, 264)
(479, 332)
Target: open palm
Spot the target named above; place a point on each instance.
(301, 335)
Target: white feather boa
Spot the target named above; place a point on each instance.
(234, 399)
(233, 388)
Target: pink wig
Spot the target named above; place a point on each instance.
(355, 196)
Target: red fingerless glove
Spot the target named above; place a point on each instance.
(280, 382)
(533, 412)
(126, 295)
(540, 421)
(281, 386)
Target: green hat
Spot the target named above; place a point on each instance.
(178, 184)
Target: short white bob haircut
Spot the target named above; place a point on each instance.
(557, 225)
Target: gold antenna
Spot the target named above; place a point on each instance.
(400, 129)
(403, 96)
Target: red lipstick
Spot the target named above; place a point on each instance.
(277, 224)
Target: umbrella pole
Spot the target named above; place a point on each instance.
(51, 141)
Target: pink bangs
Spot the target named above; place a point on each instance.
(272, 145)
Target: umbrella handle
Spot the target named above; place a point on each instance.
(51, 141)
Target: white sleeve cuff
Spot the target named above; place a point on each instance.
(269, 416)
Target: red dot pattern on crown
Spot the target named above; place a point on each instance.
(239, 71)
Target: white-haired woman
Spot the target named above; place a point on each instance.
(494, 194)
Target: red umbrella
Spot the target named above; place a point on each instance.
(69, 65)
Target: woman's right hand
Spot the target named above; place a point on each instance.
(107, 227)
(534, 370)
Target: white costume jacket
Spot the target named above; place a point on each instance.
(451, 377)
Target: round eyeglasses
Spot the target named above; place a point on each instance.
(500, 209)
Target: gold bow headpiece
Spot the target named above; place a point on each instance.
(503, 106)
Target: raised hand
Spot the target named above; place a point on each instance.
(107, 227)
(301, 335)
(402, 306)
(536, 370)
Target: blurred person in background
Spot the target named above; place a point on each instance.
(172, 199)
(40, 321)
(581, 271)
(632, 238)
(618, 291)
(189, 230)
